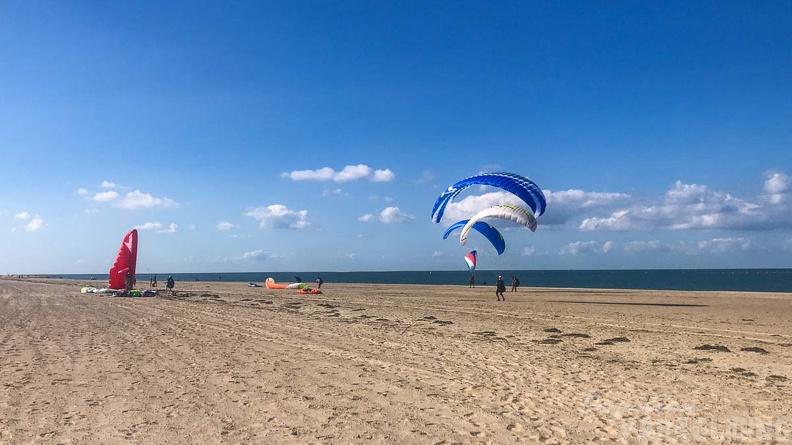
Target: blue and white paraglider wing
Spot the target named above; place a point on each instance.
(520, 186)
(503, 211)
(486, 229)
(470, 259)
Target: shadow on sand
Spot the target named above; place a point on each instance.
(629, 303)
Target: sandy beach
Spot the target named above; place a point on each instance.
(226, 363)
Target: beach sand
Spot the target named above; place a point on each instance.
(225, 363)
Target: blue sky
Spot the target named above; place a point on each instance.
(287, 136)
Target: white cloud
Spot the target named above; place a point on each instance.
(348, 173)
(258, 254)
(333, 192)
(106, 196)
(580, 248)
(564, 205)
(437, 254)
(528, 251)
(223, 225)
(158, 227)
(607, 246)
(22, 215)
(723, 245)
(35, 224)
(383, 176)
(694, 206)
(108, 185)
(777, 187)
(139, 200)
(644, 246)
(387, 216)
(278, 216)
(82, 191)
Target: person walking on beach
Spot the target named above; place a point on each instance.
(500, 288)
(169, 285)
(154, 282)
(319, 282)
(472, 281)
(515, 283)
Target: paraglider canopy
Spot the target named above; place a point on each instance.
(470, 259)
(489, 232)
(126, 262)
(520, 186)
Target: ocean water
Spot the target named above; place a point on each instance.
(752, 280)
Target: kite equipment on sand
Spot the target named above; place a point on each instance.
(271, 284)
(125, 262)
(309, 291)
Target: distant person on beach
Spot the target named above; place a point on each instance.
(515, 283)
(298, 279)
(500, 288)
(128, 281)
(472, 281)
(319, 282)
(154, 281)
(169, 285)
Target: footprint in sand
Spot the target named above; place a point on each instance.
(719, 348)
(743, 372)
(755, 349)
(576, 335)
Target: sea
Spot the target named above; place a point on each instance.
(747, 280)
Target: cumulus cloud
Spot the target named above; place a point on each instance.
(106, 196)
(158, 227)
(278, 216)
(695, 206)
(581, 248)
(22, 215)
(387, 216)
(723, 245)
(348, 173)
(644, 246)
(139, 200)
(129, 201)
(777, 187)
(607, 246)
(35, 224)
(223, 225)
(565, 205)
(528, 251)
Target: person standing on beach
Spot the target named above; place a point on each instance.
(169, 285)
(128, 281)
(154, 283)
(319, 281)
(472, 281)
(500, 288)
(515, 283)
